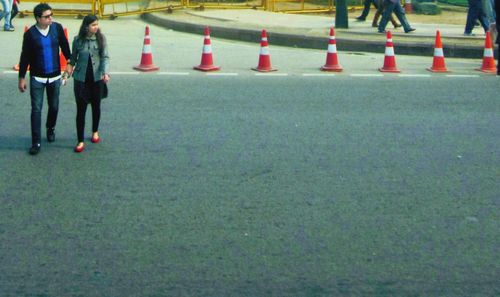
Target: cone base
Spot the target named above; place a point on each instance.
(264, 69)
(334, 68)
(394, 70)
(206, 68)
(488, 70)
(431, 69)
(146, 68)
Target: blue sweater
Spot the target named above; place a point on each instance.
(41, 53)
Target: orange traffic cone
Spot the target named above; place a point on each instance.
(264, 57)
(332, 63)
(438, 64)
(16, 67)
(389, 59)
(62, 59)
(207, 63)
(488, 59)
(147, 56)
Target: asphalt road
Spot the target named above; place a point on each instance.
(257, 186)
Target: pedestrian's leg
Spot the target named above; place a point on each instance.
(15, 10)
(53, 102)
(394, 22)
(7, 8)
(400, 14)
(36, 94)
(498, 60)
(483, 19)
(375, 19)
(471, 17)
(388, 8)
(81, 110)
(366, 10)
(96, 114)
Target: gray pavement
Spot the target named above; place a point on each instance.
(311, 31)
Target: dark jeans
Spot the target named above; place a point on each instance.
(366, 8)
(390, 7)
(14, 12)
(36, 93)
(475, 13)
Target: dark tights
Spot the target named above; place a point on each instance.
(81, 109)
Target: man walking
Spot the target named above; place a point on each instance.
(40, 51)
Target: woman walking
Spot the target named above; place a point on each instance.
(89, 66)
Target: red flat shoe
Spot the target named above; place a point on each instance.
(95, 139)
(79, 149)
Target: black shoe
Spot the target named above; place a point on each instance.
(51, 135)
(360, 19)
(410, 30)
(35, 149)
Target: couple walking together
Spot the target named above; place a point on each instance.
(87, 62)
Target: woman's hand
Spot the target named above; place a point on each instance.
(69, 69)
(105, 78)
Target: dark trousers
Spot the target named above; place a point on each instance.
(36, 92)
(475, 13)
(366, 8)
(85, 93)
(14, 12)
(389, 8)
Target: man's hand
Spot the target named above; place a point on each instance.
(22, 85)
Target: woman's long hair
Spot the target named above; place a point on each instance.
(84, 30)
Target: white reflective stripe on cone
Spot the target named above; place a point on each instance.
(438, 52)
(332, 48)
(207, 49)
(389, 51)
(207, 36)
(264, 38)
(332, 37)
(146, 49)
(389, 40)
(264, 51)
(488, 52)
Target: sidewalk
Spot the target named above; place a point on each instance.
(311, 31)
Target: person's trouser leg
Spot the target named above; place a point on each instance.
(400, 14)
(13, 14)
(498, 60)
(471, 16)
(96, 114)
(366, 9)
(53, 103)
(388, 8)
(7, 9)
(483, 19)
(81, 110)
(36, 94)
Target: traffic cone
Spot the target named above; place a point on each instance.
(147, 56)
(389, 59)
(438, 64)
(16, 67)
(207, 63)
(488, 59)
(62, 59)
(264, 57)
(332, 63)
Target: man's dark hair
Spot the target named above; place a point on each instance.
(40, 8)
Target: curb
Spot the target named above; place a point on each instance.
(312, 42)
